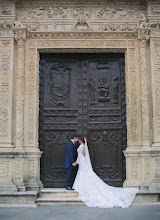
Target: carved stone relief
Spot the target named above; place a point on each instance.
(31, 99)
(134, 117)
(6, 29)
(148, 169)
(6, 8)
(134, 168)
(145, 91)
(156, 88)
(154, 10)
(5, 98)
(76, 16)
(18, 171)
(30, 169)
(157, 171)
(56, 10)
(20, 91)
(5, 170)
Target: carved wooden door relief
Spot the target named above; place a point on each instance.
(82, 94)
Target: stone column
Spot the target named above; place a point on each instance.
(19, 162)
(143, 36)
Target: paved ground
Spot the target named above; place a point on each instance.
(81, 212)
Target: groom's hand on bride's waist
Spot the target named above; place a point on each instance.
(74, 164)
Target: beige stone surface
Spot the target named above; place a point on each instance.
(66, 26)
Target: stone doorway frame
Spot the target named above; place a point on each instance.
(29, 45)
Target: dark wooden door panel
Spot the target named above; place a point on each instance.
(59, 112)
(83, 94)
(104, 118)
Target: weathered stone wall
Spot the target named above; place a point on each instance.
(30, 27)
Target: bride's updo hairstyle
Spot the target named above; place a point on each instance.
(82, 139)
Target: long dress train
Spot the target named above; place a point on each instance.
(96, 193)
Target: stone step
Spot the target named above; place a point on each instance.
(54, 196)
(58, 200)
(18, 199)
(62, 192)
(145, 196)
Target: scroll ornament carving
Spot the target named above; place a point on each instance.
(109, 136)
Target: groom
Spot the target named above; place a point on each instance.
(70, 159)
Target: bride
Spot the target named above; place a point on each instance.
(92, 190)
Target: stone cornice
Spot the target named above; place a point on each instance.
(83, 35)
(84, 2)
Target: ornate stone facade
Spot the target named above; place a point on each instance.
(130, 27)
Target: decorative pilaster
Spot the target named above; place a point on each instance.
(155, 69)
(20, 36)
(143, 36)
(155, 72)
(19, 163)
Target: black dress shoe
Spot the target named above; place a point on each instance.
(69, 188)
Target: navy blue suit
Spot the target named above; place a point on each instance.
(70, 158)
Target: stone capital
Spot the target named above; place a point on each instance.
(143, 34)
(20, 34)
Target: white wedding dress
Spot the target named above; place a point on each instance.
(93, 191)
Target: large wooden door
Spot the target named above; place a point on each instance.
(82, 94)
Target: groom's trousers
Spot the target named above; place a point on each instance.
(68, 176)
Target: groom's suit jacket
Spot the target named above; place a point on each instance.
(70, 156)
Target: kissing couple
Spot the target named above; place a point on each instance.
(92, 190)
